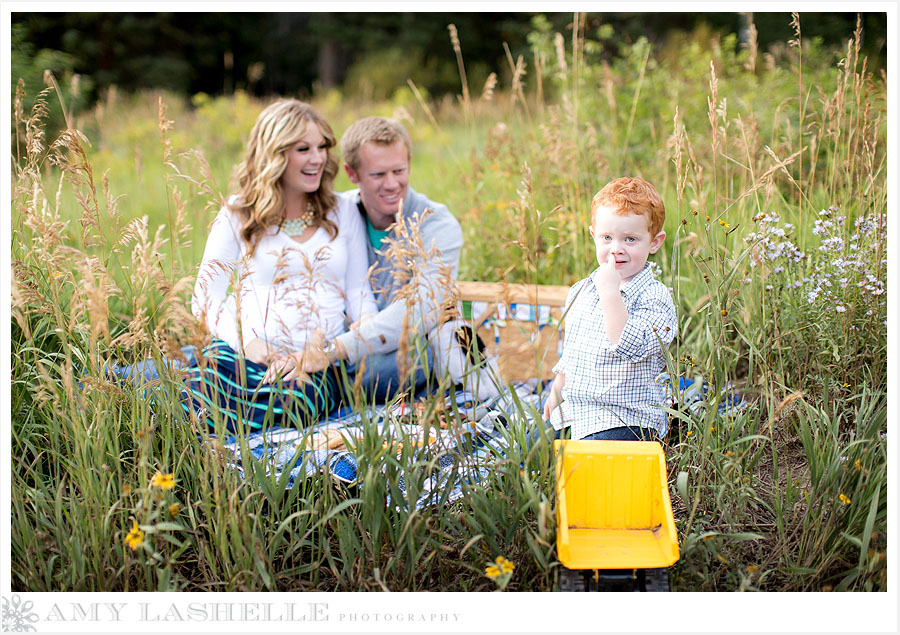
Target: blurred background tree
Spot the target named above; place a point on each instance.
(366, 55)
(293, 53)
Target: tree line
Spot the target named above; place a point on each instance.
(294, 53)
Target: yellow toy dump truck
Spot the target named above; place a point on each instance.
(615, 529)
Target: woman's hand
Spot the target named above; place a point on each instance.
(288, 367)
(257, 350)
(298, 365)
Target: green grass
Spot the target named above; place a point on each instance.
(789, 495)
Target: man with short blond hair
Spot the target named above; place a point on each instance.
(377, 153)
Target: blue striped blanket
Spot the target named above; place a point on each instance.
(329, 445)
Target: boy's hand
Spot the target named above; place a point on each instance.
(609, 283)
(551, 404)
(608, 279)
(555, 396)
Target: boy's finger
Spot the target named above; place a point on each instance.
(610, 259)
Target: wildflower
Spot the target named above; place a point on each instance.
(858, 465)
(690, 432)
(839, 308)
(162, 481)
(844, 499)
(505, 565)
(707, 217)
(135, 537)
(694, 212)
(500, 571)
(729, 453)
(752, 568)
(126, 489)
(724, 312)
(174, 508)
(723, 223)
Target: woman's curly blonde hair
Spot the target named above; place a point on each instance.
(260, 199)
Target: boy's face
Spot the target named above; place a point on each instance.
(627, 237)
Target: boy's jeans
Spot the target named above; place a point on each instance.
(622, 433)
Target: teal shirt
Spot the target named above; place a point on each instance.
(376, 236)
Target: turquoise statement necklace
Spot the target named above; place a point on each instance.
(296, 226)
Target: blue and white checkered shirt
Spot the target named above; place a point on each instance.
(610, 386)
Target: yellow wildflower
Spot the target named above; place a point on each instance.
(844, 499)
(505, 565)
(135, 537)
(162, 481)
(729, 453)
(174, 508)
(723, 223)
(752, 568)
(690, 432)
(858, 465)
(492, 571)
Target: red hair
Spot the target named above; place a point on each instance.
(632, 195)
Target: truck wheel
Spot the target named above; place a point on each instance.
(570, 580)
(656, 580)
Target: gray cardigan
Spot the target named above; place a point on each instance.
(439, 230)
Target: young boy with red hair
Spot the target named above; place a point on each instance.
(618, 322)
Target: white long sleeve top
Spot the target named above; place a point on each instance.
(287, 290)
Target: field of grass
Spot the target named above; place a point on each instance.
(773, 169)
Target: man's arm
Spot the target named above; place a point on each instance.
(382, 333)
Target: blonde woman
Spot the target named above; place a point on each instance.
(285, 267)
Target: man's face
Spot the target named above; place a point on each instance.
(382, 177)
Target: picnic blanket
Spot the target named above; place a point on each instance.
(462, 452)
(461, 455)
